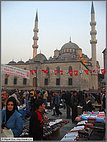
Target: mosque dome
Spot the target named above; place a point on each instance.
(70, 45)
(12, 62)
(39, 57)
(20, 62)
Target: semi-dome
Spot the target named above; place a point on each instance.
(20, 62)
(70, 45)
(12, 62)
(40, 57)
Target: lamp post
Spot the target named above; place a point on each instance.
(36, 79)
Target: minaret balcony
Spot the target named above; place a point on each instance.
(93, 32)
(35, 38)
(93, 41)
(36, 30)
(35, 46)
(92, 23)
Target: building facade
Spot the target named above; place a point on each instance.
(58, 71)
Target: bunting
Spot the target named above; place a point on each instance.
(67, 71)
(75, 72)
(31, 72)
(35, 71)
(71, 73)
(103, 71)
(56, 72)
(61, 71)
(7, 75)
(86, 71)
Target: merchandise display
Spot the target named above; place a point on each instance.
(91, 126)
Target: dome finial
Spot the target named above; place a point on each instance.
(70, 39)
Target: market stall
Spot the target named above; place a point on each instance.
(90, 126)
(51, 128)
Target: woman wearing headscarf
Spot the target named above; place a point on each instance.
(11, 118)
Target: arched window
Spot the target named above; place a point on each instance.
(24, 81)
(15, 80)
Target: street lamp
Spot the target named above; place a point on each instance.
(36, 79)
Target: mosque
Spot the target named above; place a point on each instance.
(68, 69)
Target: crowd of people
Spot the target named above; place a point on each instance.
(36, 101)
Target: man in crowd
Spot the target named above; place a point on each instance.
(74, 103)
(36, 121)
(57, 103)
(4, 98)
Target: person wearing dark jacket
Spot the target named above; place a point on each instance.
(87, 105)
(36, 121)
(74, 104)
(57, 104)
(68, 103)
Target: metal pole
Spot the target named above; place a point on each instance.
(36, 78)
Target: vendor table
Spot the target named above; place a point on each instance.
(90, 126)
(51, 128)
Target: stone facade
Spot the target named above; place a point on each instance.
(69, 56)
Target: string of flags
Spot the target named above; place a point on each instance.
(70, 72)
(76, 72)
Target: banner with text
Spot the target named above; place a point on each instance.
(6, 69)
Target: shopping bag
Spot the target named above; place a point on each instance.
(7, 133)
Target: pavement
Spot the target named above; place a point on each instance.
(65, 129)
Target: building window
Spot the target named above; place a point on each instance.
(24, 81)
(6, 80)
(57, 81)
(69, 81)
(46, 81)
(15, 81)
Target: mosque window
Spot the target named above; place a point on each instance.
(15, 81)
(6, 80)
(69, 81)
(57, 81)
(46, 81)
(24, 81)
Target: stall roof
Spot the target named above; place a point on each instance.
(92, 91)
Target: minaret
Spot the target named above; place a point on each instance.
(35, 37)
(93, 40)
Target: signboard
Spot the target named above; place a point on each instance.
(6, 69)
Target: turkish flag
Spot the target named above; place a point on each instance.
(35, 71)
(61, 71)
(92, 70)
(7, 75)
(27, 74)
(70, 72)
(46, 71)
(103, 71)
(56, 72)
(31, 72)
(76, 73)
(86, 71)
